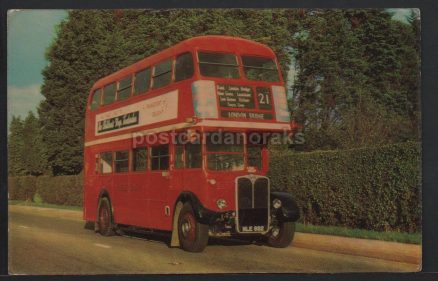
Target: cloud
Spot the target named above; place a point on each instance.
(21, 100)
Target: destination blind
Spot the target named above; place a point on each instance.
(233, 96)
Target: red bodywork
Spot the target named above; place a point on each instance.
(141, 198)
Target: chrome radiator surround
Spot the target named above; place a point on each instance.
(253, 179)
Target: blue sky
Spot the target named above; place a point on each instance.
(30, 32)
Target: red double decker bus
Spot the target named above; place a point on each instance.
(178, 142)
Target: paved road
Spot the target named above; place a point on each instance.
(53, 241)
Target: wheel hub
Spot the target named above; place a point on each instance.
(188, 227)
(275, 231)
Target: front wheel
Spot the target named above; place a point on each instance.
(193, 236)
(281, 235)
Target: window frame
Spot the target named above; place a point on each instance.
(132, 162)
(238, 64)
(115, 93)
(149, 83)
(153, 76)
(242, 153)
(99, 105)
(183, 156)
(120, 89)
(248, 156)
(274, 60)
(186, 158)
(100, 162)
(115, 161)
(151, 157)
(193, 66)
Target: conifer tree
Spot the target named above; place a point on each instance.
(15, 147)
(33, 154)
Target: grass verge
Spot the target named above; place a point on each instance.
(402, 237)
(43, 205)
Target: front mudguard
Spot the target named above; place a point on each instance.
(289, 210)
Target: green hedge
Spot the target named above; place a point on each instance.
(22, 188)
(61, 190)
(370, 188)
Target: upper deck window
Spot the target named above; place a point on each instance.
(124, 90)
(162, 74)
(258, 68)
(184, 67)
(95, 100)
(142, 81)
(218, 65)
(109, 93)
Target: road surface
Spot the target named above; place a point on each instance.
(54, 241)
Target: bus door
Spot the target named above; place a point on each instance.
(159, 183)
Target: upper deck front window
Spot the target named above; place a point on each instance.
(261, 69)
(218, 65)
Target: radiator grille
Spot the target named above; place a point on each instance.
(252, 204)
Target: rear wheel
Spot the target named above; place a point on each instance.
(193, 236)
(281, 235)
(105, 222)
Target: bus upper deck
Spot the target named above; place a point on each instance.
(206, 81)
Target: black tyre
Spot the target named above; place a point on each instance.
(282, 235)
(193, 236)
(105, 219)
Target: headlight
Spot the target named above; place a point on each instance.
(221, 203)
(276, 203)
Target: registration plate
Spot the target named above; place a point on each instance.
(253, 228)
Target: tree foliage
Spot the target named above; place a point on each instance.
(93, 44)
(15, 147)
(358, 77)
(358, 70)
(26, 150)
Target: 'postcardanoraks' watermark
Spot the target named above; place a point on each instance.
(218, 137)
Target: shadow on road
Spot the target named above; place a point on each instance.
(164, 237)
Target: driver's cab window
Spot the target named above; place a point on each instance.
(255, 156)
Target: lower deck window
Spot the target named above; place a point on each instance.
(122, 161)
(139, 159)
(106, 162)
(160, 157)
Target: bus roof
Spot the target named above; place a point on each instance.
(218, 43)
